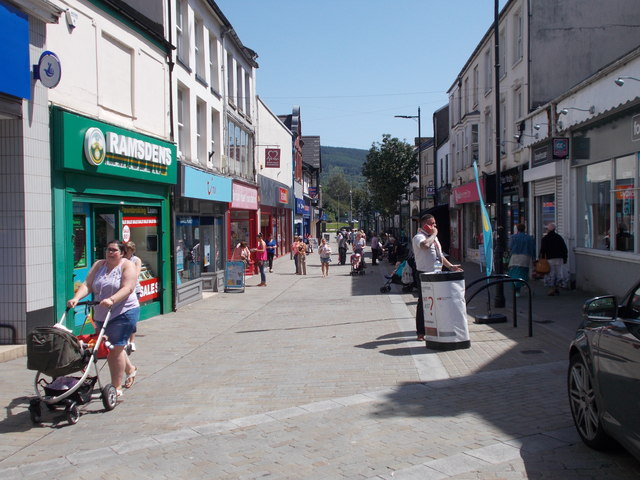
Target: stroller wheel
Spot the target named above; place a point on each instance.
(109, 397)
(35, 412)
(73, 413)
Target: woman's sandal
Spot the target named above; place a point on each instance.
(131, 378)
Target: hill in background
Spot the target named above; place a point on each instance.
(349, 160)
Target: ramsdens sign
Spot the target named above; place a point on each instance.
(138, 149)
(110, 150)
(125, 151)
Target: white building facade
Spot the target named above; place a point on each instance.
(114, 163)
(215, 117)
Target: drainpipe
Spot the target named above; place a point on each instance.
(172, 188)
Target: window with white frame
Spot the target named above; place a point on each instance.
(247, 94)
(488, 138)
(488, 77)
(465, 151)
(466, 95)
(214, 147)
(517, 106)
(214, 64)
(459, 165)
(198, 31)
(476, 85)
(201, 131)
(452, 121)
(239, 150)
(239, 89)
(503, 53)
(183, 122)
(182, 32)
(230, 84)
(474, 143)
(518, 26)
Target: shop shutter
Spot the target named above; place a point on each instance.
(545, 187)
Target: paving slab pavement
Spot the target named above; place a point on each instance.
(317, 377)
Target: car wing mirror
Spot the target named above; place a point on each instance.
(600, 308)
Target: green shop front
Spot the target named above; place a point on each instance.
(110, 183)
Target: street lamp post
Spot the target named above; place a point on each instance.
(499, 300)
(419, 156)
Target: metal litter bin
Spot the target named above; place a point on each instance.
(445, 311)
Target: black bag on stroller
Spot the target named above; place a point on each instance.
(54, 352)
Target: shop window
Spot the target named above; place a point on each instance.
(594, 186)
(140, 225)
(188, 251)
(240, 229)
(199, 246)
(624, 198)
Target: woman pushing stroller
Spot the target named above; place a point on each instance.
(113, 282)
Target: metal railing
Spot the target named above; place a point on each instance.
(500, 279)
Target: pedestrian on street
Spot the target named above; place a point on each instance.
(523, 251)
(554, 249)
(241, 253)
(260, 257)
(427, 250)
(294, 251)
(113, 282)
(271, 251)
(358, 247)
(375, 249)
(302, 258)
(130, 254)
(342, 247)
(324, 251)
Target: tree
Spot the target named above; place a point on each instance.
(335, 194)
(389, 167)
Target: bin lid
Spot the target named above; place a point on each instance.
(441, 277)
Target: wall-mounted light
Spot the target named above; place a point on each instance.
(591, 110)
(518, 136)
(620, 80)
(537, 126)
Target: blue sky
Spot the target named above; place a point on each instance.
(351, 65)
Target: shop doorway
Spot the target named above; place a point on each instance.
(106, 222)
(95, 225)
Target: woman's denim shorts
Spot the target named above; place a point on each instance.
(120, 328)
(325, 260)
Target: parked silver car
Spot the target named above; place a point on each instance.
(604, 373)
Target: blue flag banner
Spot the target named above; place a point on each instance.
(487, 233)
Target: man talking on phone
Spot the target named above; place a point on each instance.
(427, 252)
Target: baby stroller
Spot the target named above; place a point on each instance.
(396, 277)
(56, 353)
(357, 267)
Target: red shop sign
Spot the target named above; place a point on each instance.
(149, 289)
(467, 193)
(283, 195)
(272, 157)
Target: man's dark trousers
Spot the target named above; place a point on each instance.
(342, 255)
(420, 310)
